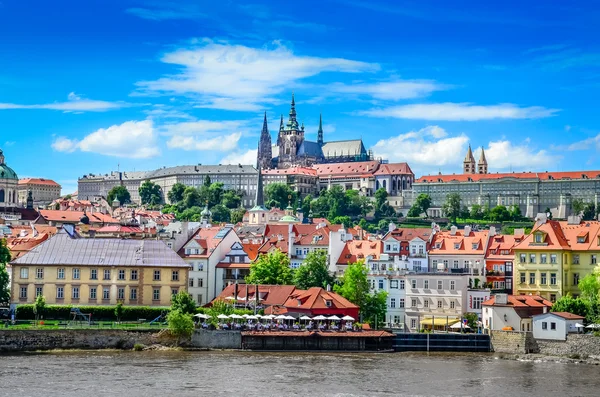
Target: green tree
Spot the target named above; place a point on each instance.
(220, 213)
(451, 208)
(278, 194)
(120, 193)
(339, 220)
(191, 214)
(516, 214)
(499, 214)
(272, 268)
(476, 212)
(472, 319)
(183, 302)
(4, 276)
(572, 305)
(421, 205)
(176, 193)
(354, 285)
(547, 211)
(383, 225)
(215, 193)
(150, 193)
(589, 212)
(119, 311)
(306, 204)
(231, 199)
(590, 286)
(181, 324)
(191, 198)
(39, 307)
(207, 181)
(313, 272)
(237, 215)
(375, 309)
(414, 211)
(578, 205)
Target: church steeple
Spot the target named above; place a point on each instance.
(469, 163)
(264, 154)
(482, 164)
(293, 123)
(320, 132)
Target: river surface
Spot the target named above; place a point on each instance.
(172, 373)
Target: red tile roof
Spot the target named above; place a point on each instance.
(509, 175)
(447, 243)
(343, 169)
(269, 294)
(407, 234)
(521, 301)
(291, 171)
(38, 181)
(356, 250)
(568, 316)
(553, 238)
(317, 298)
(394, 169)
(75, 216)
(500, 243)
(251, 250)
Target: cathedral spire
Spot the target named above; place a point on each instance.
(264, 154)
(293, 123)
(482, 164)
(320, 132)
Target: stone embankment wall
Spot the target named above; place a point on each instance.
(30, 340)
(217, 339)
(513, 342)
(581, 345)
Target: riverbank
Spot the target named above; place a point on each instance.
(545, 358)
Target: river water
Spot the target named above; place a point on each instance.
(172, 373)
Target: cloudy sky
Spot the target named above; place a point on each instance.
(92, 86)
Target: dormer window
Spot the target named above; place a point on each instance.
(439, 245)
(538, 238)
(328, 302)
(474, 246)
(581, 239)
(456, 246)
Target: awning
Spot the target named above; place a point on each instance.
(224, 265)
(439, 321)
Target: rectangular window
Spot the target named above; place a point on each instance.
(426, 303)
(553, 298)
(452, 305)
(24, 272)
(394, 284)
(575, 279)
(439, 304)
(121, 274)
(401, 303)
(174, 291)
(522, 277)
(531, 278)
(106, 293)
(157, 275)
(75, 273)
(413, 303)
(133, 294)
(94, 274)
(552, 278)
(38, 291)
(544, 325)
(156, 294)
(39, 273)
(576, 259)
(413, 323)
(538, 238)
(455, 264)
(75, 293)
(523, 258)
(121, 293)
(200, 267)
(191, 285)
(175, 275)
(134, 274)
(60, 274)
(23, 293)
(440, 284)
(594, 260)
(413, 283)
(531, 258)
(200, 282)
(552, 258)
(426, 284)
(402, 282)
(107, 274)
(93, 292)
(199, 299)
(553, 326)
(452, 285)
(446, 264)
(380, 284)
(392, 303)
(60, 293)
(543, 278)
(543, 258)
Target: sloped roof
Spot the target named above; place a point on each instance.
(343, 169)
(407, 234)
(448, 243)
(343, 148)
(309, 148)
(38, 181)
(75, 216)
(291, 171)
(568, 316)
(502, 242)
(521, 301)
(316, 298)
(65, 249)
(270, 294)
(510, 175)
(553, 239)
(356, 250)
(394, 169)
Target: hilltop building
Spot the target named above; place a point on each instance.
(293, 150)
(43, 191)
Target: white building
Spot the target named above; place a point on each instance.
(409, 245)
(43, 191)
(556, 325)
(475, 299)
(513, 312)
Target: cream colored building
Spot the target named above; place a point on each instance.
(43, 191)
(67, 269)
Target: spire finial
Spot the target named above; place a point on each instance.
(320, 132)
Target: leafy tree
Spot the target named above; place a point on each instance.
(39, 306)
(191, 214)
(277, 195)
(121, 193)
(451, 208)
(231, 199)
(220, 213)
(383, 225)
(572, 305)
(499, 214)
(272, 268)
(464, 212)
(183, 302)
(590, 285)
(181, 324)
(589, 212)
(485, 212)
(515, 213)
(215, 193)
(476, 212)
(176, 193)
(207, 181)
(578, 205)
(237, 215)
(414, 211)
(306, 204)
(421, 205)
(119, 311)
(313, 272)
(472, 319)
(191, 198)
(4, 277)
(150, 193)
(375, 308)
(68, 197)
(547, 211)
(345, 220)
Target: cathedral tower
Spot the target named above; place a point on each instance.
(469, 163)
(290, 138)
(482, 165)
(320, 132)
(264, 156)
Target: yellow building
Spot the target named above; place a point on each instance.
(552, 259)
(68, 269)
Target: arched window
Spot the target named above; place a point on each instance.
(377, 185)
(384, 183)
(1, 195)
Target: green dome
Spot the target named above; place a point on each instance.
(7, 173)
(289, 219)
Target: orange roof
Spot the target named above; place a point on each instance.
(581, 237)
(568, 316)
(521, 301)
(316, 298)
(407, 234)
(38, 181)
(356, 250)
(269, 294)
(343, 169)
(445, 243)
(291, 171)
(509, 175)
(394, 169)
(75, 216)
(251, 250)
(553, 238)
(502, 243)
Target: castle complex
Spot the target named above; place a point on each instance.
(293, 150)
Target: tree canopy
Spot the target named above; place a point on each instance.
(569, 304)
(120, 193)
(278, 195)
(150, 193)
(183, 302)
(4, 277)
(272, 268)
(451, 208)
(421, 205)
(176, 193)
(313, 272)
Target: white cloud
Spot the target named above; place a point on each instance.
(132, 139)
(247, 157)
(426, 148)
(503, 155)
(202, 127)
(74, 104)
(586, 144)
(219, 143)
(236, 77)
(461, 112)
(392, 90)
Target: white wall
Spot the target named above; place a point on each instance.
(560, 333)
(493, 318)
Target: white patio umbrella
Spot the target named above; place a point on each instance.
(320, 318)
(305, 318)
(268, 317)
(222, 317)
(577, 325)
(235, 316)
(202, 315)
(281, 317)
(290, 317)
(252, 318)
(593, 326)
(333, 318)
(459, 326)
(348, 318)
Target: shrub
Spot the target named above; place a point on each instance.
(138, 347)
(99, 313)
(180, 324)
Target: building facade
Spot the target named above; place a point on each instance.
(43, 191)
(8, 185)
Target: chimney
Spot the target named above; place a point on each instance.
(541, 218)
(391, 227)
(492, 231)
(453, 230)
(467, 230)
(290, 239)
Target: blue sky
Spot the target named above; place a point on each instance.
(95, 85)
